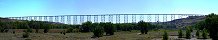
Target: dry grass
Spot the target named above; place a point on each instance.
(123, 35)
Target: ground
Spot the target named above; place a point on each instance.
(123, 35)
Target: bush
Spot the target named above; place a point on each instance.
(108, 28)
(98, 32)
(46, 29)
(69, 30)
(204, 34)
(63, 32)
(86, 27)
(180, 33)
(26, 35)
(165, 36)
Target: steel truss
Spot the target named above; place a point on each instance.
(119, 18)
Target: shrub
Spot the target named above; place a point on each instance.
(86, 27)
(108, 28)
(98, 32)
(180, 33)
(64, 33)
(46, 29)
(69, 30)
(26, 35)
(165, 36)
(2, 29)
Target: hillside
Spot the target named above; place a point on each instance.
(181, 23)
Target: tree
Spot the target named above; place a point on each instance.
(211, 24)
(126, 26)
(108, 28)
(94, 25)
(22, 25)
(86, 27)
(35, 25)
(46, 27)
(165, 36)
(204, 34)
(198, 33)
(190, 28)
(5, 26)
(180, 33)
(143, 25)
(188, 33)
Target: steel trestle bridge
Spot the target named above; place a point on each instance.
(114, 18)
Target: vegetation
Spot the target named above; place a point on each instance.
(26, 33)
(108, 28)
(69, 30)
(86, 27)
(180, 33)
(46, 28)
(165, 36)
(204, 34)
(28, 30)
(210, 24)
(98, 31)
(198, 34)
(188, 33)
(143, 25)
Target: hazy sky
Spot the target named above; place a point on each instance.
(10, 8)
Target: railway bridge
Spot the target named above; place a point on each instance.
(114, 18)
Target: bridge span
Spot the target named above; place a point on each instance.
(114, 18)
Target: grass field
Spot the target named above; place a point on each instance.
(123, 35)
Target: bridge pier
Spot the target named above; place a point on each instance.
(117, 18)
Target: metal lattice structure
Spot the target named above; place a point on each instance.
(114, 18)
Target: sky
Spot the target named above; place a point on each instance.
(17, 8)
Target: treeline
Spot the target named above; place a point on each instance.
(97, 28)
(5, 26)
(209, 25)
(84, 27)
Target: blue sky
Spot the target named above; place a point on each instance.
(11, 8)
